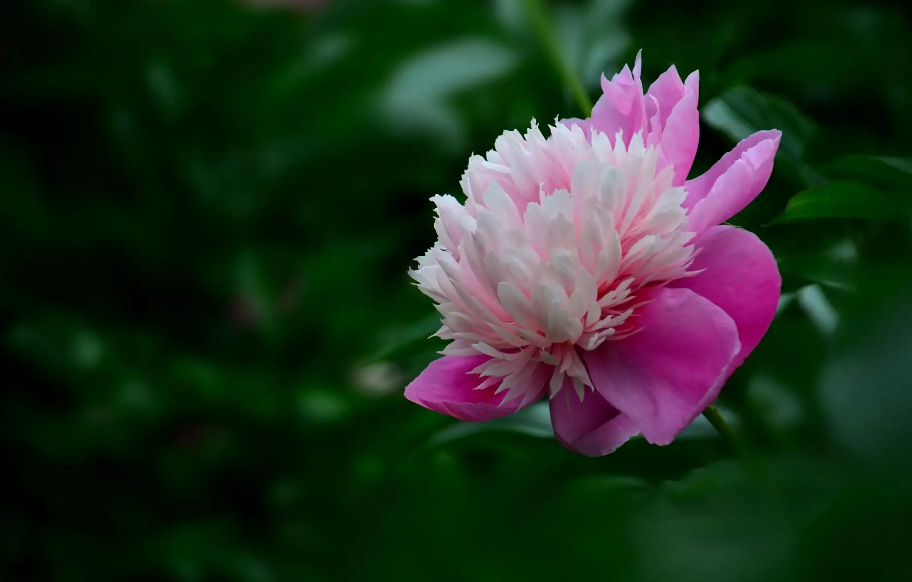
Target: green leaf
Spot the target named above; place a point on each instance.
(818, 309)
(848, 200)
(593, 38)
(800, 62)
(393, 342)
(866, 388)
(419, 94)
(729, 520)
(829, 269)
(742, 111)
(814, 252)
(533, 421)
(884, 172)
(536, 421)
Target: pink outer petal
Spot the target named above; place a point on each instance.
(591, 427)
(446, 386)
(699, 187)
(733, 182)
(741, 277)
(665, 375)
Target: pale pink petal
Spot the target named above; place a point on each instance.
(733, 182)
(638, 64)
(591, 427)
(622, 106)
(680, 137)
(667, 374)
(674, 122)
(665, 93)
(653, 124)
(692, 82)
(446, 386)
(584, 124)
(741, 277)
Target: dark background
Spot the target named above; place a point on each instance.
(207, 212)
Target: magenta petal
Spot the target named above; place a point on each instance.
(667, 374)
(699, 187)
(741, 277)
(591, 427)
(446, 386)
(733, 182)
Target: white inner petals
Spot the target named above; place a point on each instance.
(547, 254)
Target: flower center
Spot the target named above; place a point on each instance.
(551, 253)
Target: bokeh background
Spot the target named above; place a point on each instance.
(207, 212)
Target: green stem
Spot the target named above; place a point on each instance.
(538, 15)
(722, 427)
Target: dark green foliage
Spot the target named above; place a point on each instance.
(207, 212)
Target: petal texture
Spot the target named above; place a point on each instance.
(591, 427)
(740, 276)
(733, 182)
(680, 136)
(448, 386)
(663, 95)
(584, 124)
(622, 105)
(665, 375)
(674, 122)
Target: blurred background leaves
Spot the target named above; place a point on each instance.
(208, 211)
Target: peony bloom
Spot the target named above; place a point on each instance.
(585, 266)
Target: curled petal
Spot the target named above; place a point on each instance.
(680, 136)
(664, 376)
(739, 274)
(733, 182)
(448, 387)
(622, 107)
(665, 93)
(692, 82)
(591, 427)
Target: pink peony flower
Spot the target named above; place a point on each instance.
(584, 266)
